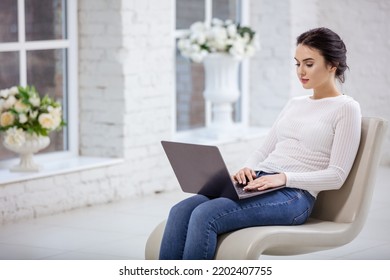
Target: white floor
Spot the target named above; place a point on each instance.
(118, 231)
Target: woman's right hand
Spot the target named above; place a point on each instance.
(244, 176)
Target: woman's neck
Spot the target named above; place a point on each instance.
(329, 91)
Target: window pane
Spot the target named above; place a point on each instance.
(189, 94)
(46, 70)
(9, 69)
(45, 19)
(9, 77)
(225, 9)
(8, 21)
(189, 11)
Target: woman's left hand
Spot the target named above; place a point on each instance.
(266, 182)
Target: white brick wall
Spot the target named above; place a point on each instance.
(363, 24)
(270, 68)
(126, 91)
(365, 27)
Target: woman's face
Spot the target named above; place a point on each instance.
(312, 70)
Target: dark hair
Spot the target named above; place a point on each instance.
(331, 47)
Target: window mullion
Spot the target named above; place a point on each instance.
(208, 11)
(22, 46)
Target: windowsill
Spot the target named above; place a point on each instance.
(236, 133)
(57, 167)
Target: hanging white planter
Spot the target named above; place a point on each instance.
(221, 89)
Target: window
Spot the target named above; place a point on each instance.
(36, 48)
(191, 110)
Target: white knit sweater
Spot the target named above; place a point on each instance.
(313, 141)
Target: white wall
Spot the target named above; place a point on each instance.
(364, 25)
(126, 91)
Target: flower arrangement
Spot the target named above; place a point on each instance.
(220, 37)
(24, 114)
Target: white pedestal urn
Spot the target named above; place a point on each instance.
(221, 90)
(32, 145)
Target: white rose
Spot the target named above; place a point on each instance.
(4, 93)
(56, 113)
(216, 22)
(237, 49)
(23, 118)
(199, 38)
(232, 30)
(219, 37)
(195, 48)
(183, 44)
(197, 27)
(9, 102)
(7, 119)
(13, 91)
(46, 121)
(20, 107)
(35, 101)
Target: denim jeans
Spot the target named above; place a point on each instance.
(194, 224)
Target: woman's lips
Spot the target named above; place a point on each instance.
(304, 81)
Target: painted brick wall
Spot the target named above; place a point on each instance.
(126, 90)
(132, 82)
(365, 27)
(271, 66)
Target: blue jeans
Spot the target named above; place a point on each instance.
(194, 224)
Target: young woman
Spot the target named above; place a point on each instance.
(310, 148)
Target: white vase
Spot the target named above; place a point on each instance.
(32, 145)
(221, 88)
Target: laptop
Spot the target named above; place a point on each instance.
(200, 169)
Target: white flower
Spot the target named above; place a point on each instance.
(13, 91)
(9, 102)
(56, 114)
(216, 22)
(35, 101)
(198, 27)
(199, 38)
(7, 119)
(232, 30)
(23, 118)
(15, 137)
(46, 121)
(4, 93)
(20, 107)
(220, 36)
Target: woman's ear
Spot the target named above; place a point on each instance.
(332, 67)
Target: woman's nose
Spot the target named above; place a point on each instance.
(300, 71)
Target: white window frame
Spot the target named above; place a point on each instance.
(71, 107)
(244, 75)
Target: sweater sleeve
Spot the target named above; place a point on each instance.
(344, 148)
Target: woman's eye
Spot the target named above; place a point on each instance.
(297, 65)
(309, 65)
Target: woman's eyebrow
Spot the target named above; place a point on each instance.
(306, 59)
